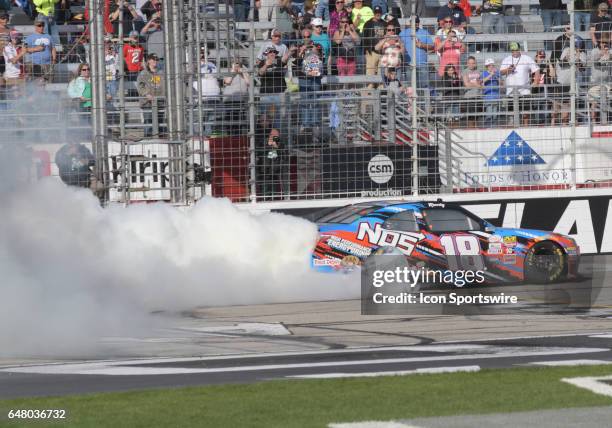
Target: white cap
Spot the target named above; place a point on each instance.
(489, 61)
(316, 22)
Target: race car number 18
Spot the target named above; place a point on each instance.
(464, 252)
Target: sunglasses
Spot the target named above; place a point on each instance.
(390, 30)
(84, 69)
(275, 35)
(39, 25)
(448, 21)
(318, 26)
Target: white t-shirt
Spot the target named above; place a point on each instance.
(520, 79)
(11, 71)
(210, 84)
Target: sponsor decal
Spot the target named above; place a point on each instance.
(514, 151)
(348, 246)
(495, 238)
(403, 241)
(436, 205)
(509, 259)
(326, 262)
(508, 250)
(380, 169)
(495, 248)
(381, 193)
(510, 241)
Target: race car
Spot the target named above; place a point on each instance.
(442, 236)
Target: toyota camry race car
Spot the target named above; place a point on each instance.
(441, 236)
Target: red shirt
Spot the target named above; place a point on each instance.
(133, 56)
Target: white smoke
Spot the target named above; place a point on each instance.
(72, 272)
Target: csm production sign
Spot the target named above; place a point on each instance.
(528, 157)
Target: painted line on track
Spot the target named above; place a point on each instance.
(121, 368)
(569, 363)
(593, 384)
(429, 370)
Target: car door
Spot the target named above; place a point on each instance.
(454, 233)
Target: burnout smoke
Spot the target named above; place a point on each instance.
(73, 272)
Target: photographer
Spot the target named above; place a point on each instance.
(273, 161)
(450, 51)
(391, 49)
(272, 83)
(518, 69)
(129, 16)
(235, 96)
(346, 40)
(75, 162)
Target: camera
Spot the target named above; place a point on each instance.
(276, 139)
(272, 154)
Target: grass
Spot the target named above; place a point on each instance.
(315, 403)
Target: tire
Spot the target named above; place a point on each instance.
(545, 263)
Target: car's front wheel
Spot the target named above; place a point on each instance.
(545, 262)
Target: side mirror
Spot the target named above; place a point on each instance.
(489, 229)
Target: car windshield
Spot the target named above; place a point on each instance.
(347, 214)
(449, 220)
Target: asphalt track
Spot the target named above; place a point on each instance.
(238, 344)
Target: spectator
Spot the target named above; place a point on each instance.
(285, 18)
(318, 36)
(152, 26)
(42, 53)
(323, 10)
(491, 81)
(392, 83)
(241, 9)
(582, 14)
(4, 38)
(150, 85)
(79, 88)
(310, 61)
(391, 49)
(46, 10)
(424, 44)
(235, 95)
(442, 33)
(473, 84)
(360, 14)
(276, 43)
(129, 16)
(74, 162)
(305, 18)
(563, 75)
(273, 161)
(561, 43)
(450, 92)
(453, 10)
(346, 41)
(211, 92)
(601, 22)
(62, 12)
(540, 92)
(493, 19)
(336, 16)
(373, 32)
(13, 54)
(111, 64)
(152, 9)
(133, 55)
(390, 19)
(272, 83)
(601, 78)
(552, 13)
(518, 69)
(381, 4)
(449, 50)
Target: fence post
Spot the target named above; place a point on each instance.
(570, 10)
(390, 117)
(449, 159)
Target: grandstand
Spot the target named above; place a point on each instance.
(308, 115)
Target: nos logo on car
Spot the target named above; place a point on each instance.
(380, 169)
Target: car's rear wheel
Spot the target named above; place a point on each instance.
(545, 262)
